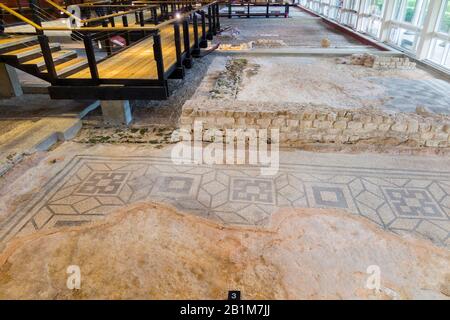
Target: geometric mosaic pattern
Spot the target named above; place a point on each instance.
(413, 203)
(90, 187)
(252, 190)
(330, 197)
(105, 183)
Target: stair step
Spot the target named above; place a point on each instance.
(29, 53)
(16, 42)
(58, 58)
(70, 67)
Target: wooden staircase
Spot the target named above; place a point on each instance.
(24, 53)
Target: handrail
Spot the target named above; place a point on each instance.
(118, 14)
(19, 16)
(94, 2)
(169, 1)
(143, 2)
(113, 15)
(57, 6)
(93, 6)
(97, 29)
(24, 19)
(41, 28)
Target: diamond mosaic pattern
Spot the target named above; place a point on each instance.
(91, 187)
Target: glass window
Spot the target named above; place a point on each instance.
(447, 61)
(444, 25)
(411, 11)
(376, 7)
(438, 50)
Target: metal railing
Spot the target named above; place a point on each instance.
(140, 27)
(245, 9)
(182, 17)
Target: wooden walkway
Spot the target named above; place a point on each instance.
(137, 62)
(140, 70)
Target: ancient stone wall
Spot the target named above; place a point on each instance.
(399, 63)
(379, 62)
(305, 123)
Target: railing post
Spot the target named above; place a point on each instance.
(267, 9)
(248, 9)
(141, 18)
(142, 21)
(217, 17)
(155, 16)
(166, 10)
(136, 17)
(196, 50)
(209, 36)
(125, 24)
(111, 20)
(187, 44)
(229, 9)
(203, 42)
(213, 12)
(158, 55)
(2, 22)
(107, 41)
(90, 55)
(48, 59)
(176, 28)
(286, 10)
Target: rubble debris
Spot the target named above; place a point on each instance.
(423, 111)
(228, 34)
(99, 135)
(268, 43)
(227, 84)
(260, 43)
(379, 62)
(325, 43)
(235, 47)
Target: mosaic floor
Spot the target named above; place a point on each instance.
(90, 187)
(299, 30)
(407, 94)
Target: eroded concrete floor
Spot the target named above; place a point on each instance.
(78, 183)
(150, 251)
(300, 30)
(37, 106)
(324, 81)
(35, 122)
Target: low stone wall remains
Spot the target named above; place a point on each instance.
(379, 62)
(301, 124)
